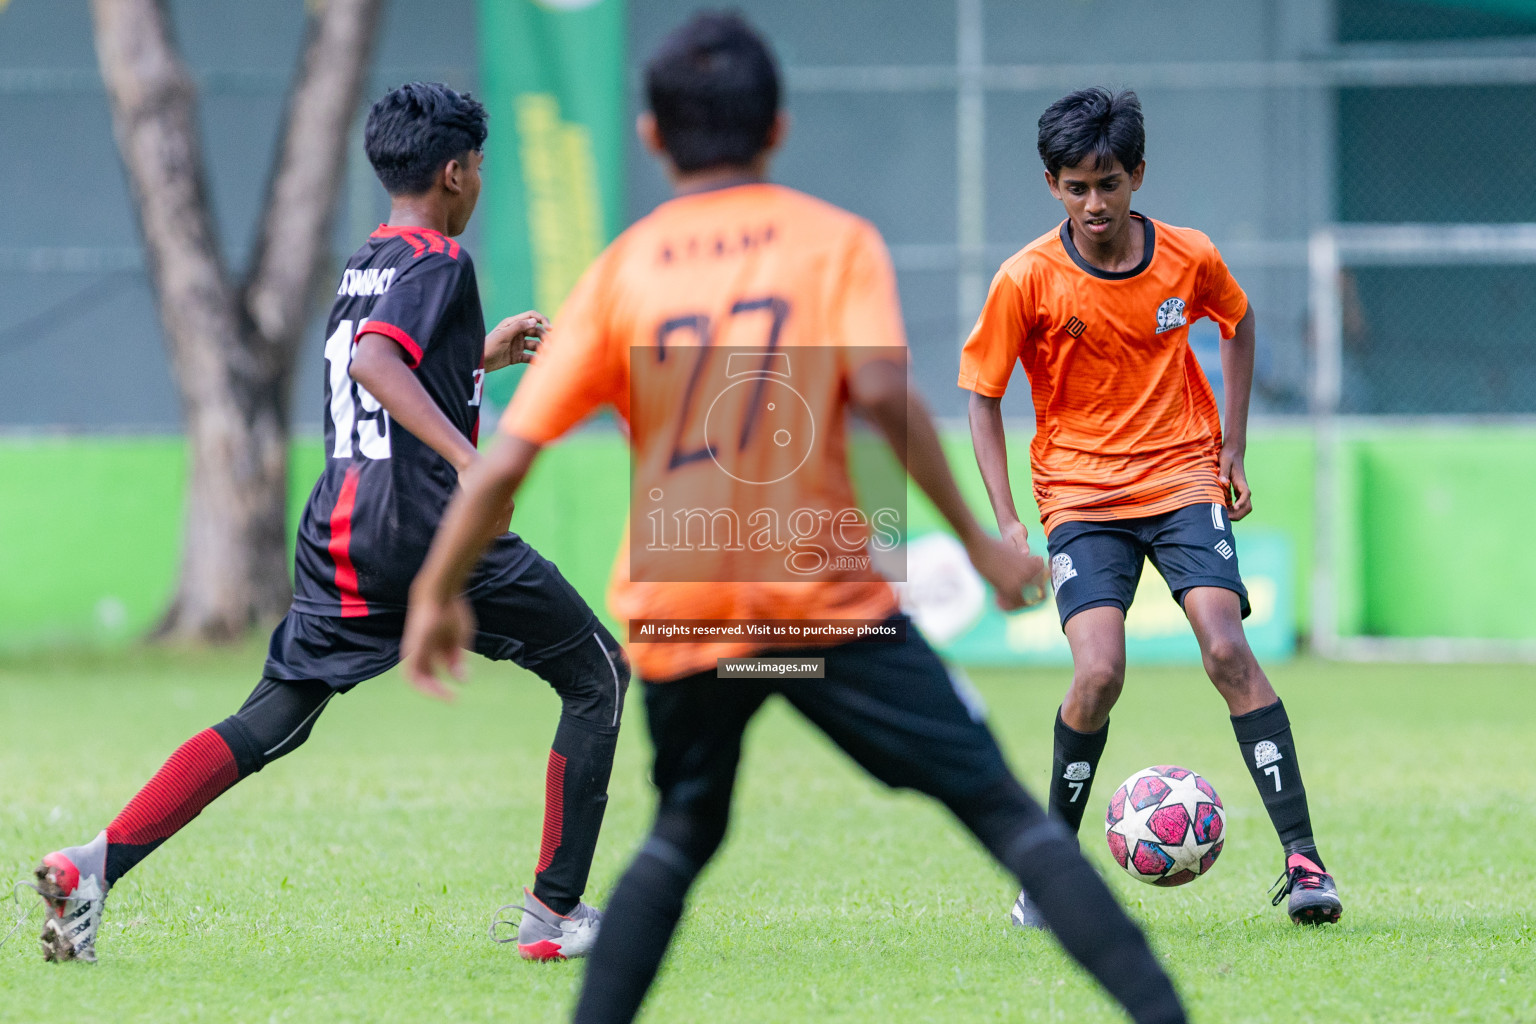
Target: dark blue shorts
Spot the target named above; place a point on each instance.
(1099, 564)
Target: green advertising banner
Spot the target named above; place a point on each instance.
(552, 77)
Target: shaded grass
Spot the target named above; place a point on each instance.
(354, 880)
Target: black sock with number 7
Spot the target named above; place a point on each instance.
(1270, 754)
(1073, 766)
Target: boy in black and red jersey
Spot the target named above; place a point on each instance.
(406, 356)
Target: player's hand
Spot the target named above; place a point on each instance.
(1017, 578)
(1017, 534)
(436, 634)
(515, 340)
(1234, 481)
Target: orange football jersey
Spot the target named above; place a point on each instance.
(723, 328)
(1125, 421)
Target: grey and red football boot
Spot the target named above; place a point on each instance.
(72, 883)
(543, 934)
(1314, 897)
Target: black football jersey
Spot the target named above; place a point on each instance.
(371, 516)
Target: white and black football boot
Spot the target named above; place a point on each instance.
(72, 883)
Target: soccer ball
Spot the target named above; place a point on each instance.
(1165, 825)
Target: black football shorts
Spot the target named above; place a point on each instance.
(529, 616)
(1099, 564)
(891, 706)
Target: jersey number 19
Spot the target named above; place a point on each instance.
(372, 422)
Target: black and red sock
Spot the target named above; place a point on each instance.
(575, 799)
(191, 779)
(275, 719)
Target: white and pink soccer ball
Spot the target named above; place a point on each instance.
(1165, 825)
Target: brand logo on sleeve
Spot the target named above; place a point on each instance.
(1170, 315)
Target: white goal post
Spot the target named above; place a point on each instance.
(1331, 250)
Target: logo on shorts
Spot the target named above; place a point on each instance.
(1077, 771)
(1216, 519)
(1061, 569)
(1265, 752)
(1224, 549)
(1170, 315)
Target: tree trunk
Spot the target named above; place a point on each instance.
(232, 349)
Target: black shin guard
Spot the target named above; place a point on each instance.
(1073, 765)
(1270, 754)
(637, 927)
(575, 798)
(1077, 906)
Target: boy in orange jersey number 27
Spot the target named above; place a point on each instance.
(734, 261)
(1129, 458)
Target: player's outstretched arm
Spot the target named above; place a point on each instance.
(439, 623)
(991, 446)
(379, 364)
(1237, 354)
(882, 391)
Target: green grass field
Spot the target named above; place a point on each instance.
(354, 880)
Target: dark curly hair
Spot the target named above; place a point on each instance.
(416, 129)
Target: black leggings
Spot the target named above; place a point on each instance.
(591, 679)
(894, 709)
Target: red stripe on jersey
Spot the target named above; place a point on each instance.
(412, 350)
(422, 240)
(352, 604)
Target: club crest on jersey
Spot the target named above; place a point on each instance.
(1061, 569)
(1170, 315)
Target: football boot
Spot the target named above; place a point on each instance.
(1314, 897)
(543, 934)
(72, 883)
(1025, 914)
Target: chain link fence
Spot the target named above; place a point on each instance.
(1266, 122)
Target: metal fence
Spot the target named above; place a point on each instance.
(1262, 155)
(921, 116)
(1265, 121)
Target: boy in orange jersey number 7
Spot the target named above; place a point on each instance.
(1129, 458)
